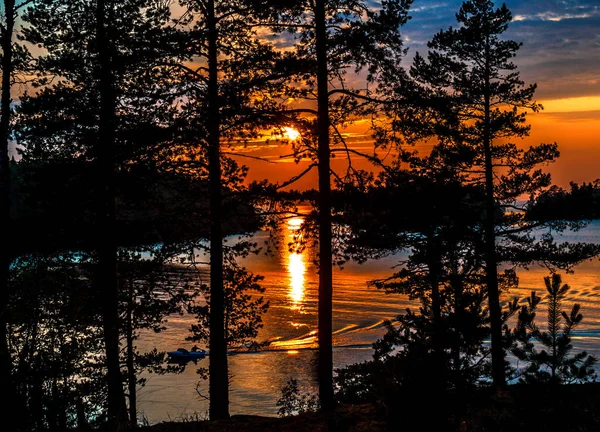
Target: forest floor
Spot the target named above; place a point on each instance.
(351, 418)
(530, 408)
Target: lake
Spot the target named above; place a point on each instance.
(291, 283)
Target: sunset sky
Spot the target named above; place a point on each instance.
(560, 52)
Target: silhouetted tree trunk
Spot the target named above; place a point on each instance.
(325, 261)
(218, 371)
(457, 290)
(106, 241)
(435, 271)
(491, 263)
(82, 424)
(5, 248)
(131, 376)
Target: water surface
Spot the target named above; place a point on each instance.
(291, 283)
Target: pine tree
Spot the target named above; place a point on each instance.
(477, 101)
(554, 365)
(149, 291)
(230, 93)
(100, 111)
(244, 308)
(333, 38)
(442, 269)
(12, 58)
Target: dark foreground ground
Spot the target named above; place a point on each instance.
(520, 408)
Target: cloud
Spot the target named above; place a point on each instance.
(549, 16)
(561, 41)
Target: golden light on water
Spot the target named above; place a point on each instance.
(296, 266)
(291, 133)
(294, 224)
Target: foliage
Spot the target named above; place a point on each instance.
(294, 402)
(443, 268)
(468, 94)
(554, 364)
(243, 309)
(572, 207)
(363, 45)
(56, 341)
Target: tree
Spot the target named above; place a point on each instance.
(149, 291)
(555, 366)
(230, 78)
(12, 57)
(243, 310)
(7, 72)
(104, 150)
(443, 269)
(100, 110)
(56, 335)
(573, 207)
(469, 69)
(333, 38)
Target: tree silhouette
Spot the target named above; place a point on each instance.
(468, 72)
(12, 58)
(230, 93)
(243, 310)
(333, 37)
(443, 269)
(149, 290)
(6, 36)
(556, 365)
(105, 54)
(107, 244)
(56, 335)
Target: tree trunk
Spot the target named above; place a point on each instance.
(131, 379)
(82, 424)
(106, 242)
(5, 249)
(218, 371)
(457, 289)
(491, 263)
(325, 365)
(435, 271)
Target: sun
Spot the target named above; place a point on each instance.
(291, 133)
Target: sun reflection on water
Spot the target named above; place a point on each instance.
(296, 266)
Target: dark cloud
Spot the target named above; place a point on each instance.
(561, 40)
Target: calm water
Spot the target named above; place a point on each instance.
(291, 283)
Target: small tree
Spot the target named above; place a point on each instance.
(243, 310)
(56, 337)
(149, 291)
(555, 364)
(294, 402)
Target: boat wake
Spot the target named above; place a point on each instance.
(350, 336)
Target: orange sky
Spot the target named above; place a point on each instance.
(560, 53)
(578, 136)
(573, 123)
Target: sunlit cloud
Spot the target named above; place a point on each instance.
(575, 104)
(550, 16)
